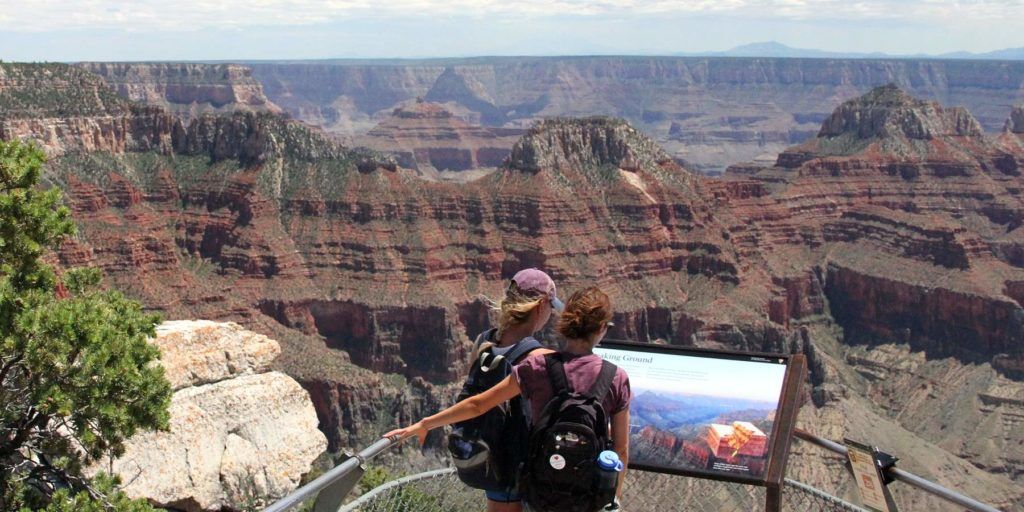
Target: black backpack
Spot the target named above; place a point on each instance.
(488, 451)
(561, 472)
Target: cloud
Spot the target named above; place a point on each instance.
(187, 15)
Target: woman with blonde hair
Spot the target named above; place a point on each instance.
(584, 322)
(487, 451)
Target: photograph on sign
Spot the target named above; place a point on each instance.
(699, 412)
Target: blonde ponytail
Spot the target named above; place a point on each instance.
(515, 308)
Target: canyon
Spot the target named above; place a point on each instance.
(887, 248)
(706, 112)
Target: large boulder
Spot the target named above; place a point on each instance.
(196, 352)
(240, 437)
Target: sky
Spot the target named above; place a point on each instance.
(77, 30)
(706, 376)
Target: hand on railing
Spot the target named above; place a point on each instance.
(416, 429)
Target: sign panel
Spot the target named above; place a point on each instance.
(868, 477)
(704, 413)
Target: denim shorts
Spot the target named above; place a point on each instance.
(503, 496)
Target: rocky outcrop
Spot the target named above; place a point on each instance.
(585, 144)
(65, 110)
(204, 352)
(186, 90)
(252, 138)
(1015, 124)
(430, 138)
(239, 436)
(888, 112)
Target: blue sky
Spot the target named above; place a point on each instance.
(706, 376)
(66, 30)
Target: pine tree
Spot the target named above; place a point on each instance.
(76, 377)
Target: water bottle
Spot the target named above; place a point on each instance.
(462, 449)
(610, 466)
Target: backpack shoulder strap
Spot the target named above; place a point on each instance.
(484, 337)
(603, 383)
(556, 374)
(524, 347)
(482, 346)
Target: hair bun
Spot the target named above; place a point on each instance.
(585, 313)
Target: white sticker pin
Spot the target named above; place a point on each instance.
(557, 461)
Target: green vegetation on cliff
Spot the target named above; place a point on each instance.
(54, 90)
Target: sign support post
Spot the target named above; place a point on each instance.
(784, 433)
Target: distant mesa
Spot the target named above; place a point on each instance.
(422, 109)
(438, 142)
(710, 112)
(775, 49)
(186, 89)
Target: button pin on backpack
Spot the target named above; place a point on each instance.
(557, 461)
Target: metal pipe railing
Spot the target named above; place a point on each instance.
(904, 476)
(313, 488)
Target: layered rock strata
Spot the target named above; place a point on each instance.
(430, 138)
(712, 112)
(186, 90)
(240, 436)
(64, 109)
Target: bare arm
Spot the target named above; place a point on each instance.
(469, 408)
(620, 436)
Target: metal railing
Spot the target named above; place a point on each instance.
(339, 480)
(904, 476)
(441, 491)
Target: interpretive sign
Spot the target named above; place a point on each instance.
(712, 414)
(866, 471)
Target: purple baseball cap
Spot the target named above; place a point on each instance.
(533, 280)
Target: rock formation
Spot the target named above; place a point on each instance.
(889, 184)
(712, 112)
(240, 435)
(430, 138)
(1015, 124)
(888, 112)
(186, 90)
(65, 109)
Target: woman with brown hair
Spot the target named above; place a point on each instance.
(584, 323)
